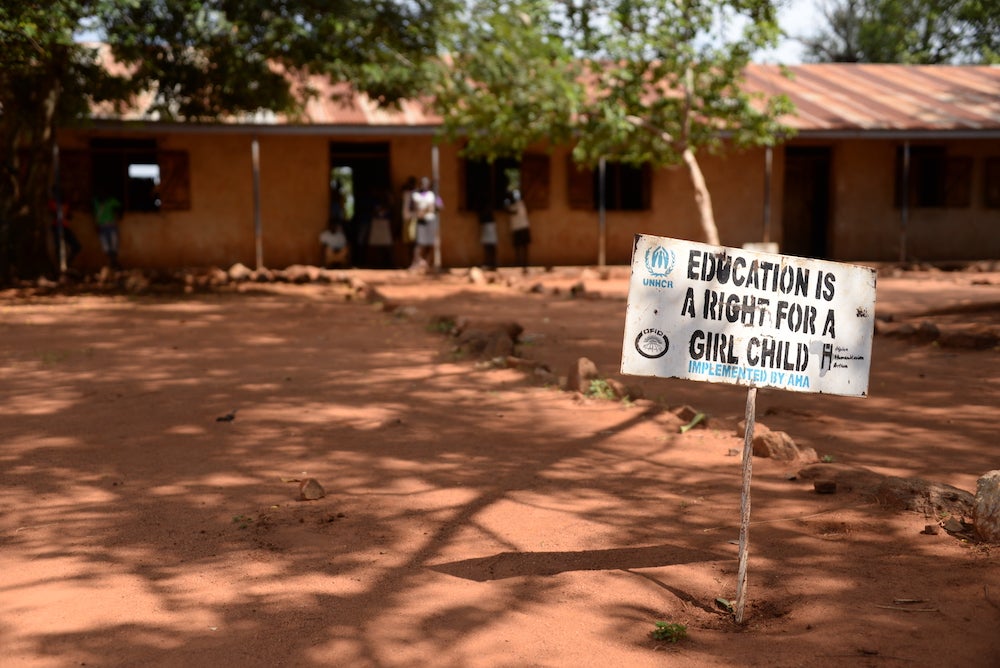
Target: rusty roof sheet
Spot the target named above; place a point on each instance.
(868, 98)
(830, 99)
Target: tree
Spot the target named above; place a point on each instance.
(506, 79)
(907, 31)
(199, 58)
(634, 81)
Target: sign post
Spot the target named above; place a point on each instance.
(742, 317)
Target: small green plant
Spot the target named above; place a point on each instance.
(696, 420)
(827, 459)
(441, 325)
(668, 631)
(243, 520)
(600, 389)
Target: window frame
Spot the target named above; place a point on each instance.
(627, 187)
(481, 175)
(103, 169)
(937, 180)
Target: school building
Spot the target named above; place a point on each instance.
(888, 162)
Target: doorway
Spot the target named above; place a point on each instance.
(806, 203)
(359, 179)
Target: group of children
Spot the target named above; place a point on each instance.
(107, 213)
(420, 215)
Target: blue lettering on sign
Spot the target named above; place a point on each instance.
(732, 371)
(657, 283)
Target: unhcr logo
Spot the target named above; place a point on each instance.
(659, 263)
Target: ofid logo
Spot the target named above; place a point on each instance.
(659, 264)
(652, 343)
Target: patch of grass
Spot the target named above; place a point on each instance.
(600, 389)
(669, 632)
(243, 520)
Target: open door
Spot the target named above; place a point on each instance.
(359, 177)
(806, 204)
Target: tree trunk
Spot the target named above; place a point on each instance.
(702, 198)
(27, 141)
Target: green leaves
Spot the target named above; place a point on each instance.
(505, 79)
(907, 31)
(532, 71)
(200, 59)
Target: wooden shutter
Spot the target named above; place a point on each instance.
(175, 180)
(958, 182)
(535, 181)
(991, 186)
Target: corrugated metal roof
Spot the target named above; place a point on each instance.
(830, 99)
(867, 98)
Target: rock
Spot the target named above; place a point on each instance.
(986, 507)
(498, 344)
(263, 275)
(477, 276)
(776, 445)
(927, 332)
(619, 388)
(301, 273)
(930, 498)
(825, 486)
(511, 328)
(916, 494)
(136, 282)
(577, 289)
(472, 342)
(216, 277)
(847, 478)
(310, 490)
(758, 428)
(240, 272)
(807, 455)
(580, 374)
(105, 275)
(953, 525)
(366, 292)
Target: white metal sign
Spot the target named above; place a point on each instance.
(727, 315)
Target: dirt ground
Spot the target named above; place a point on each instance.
(475, 515)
